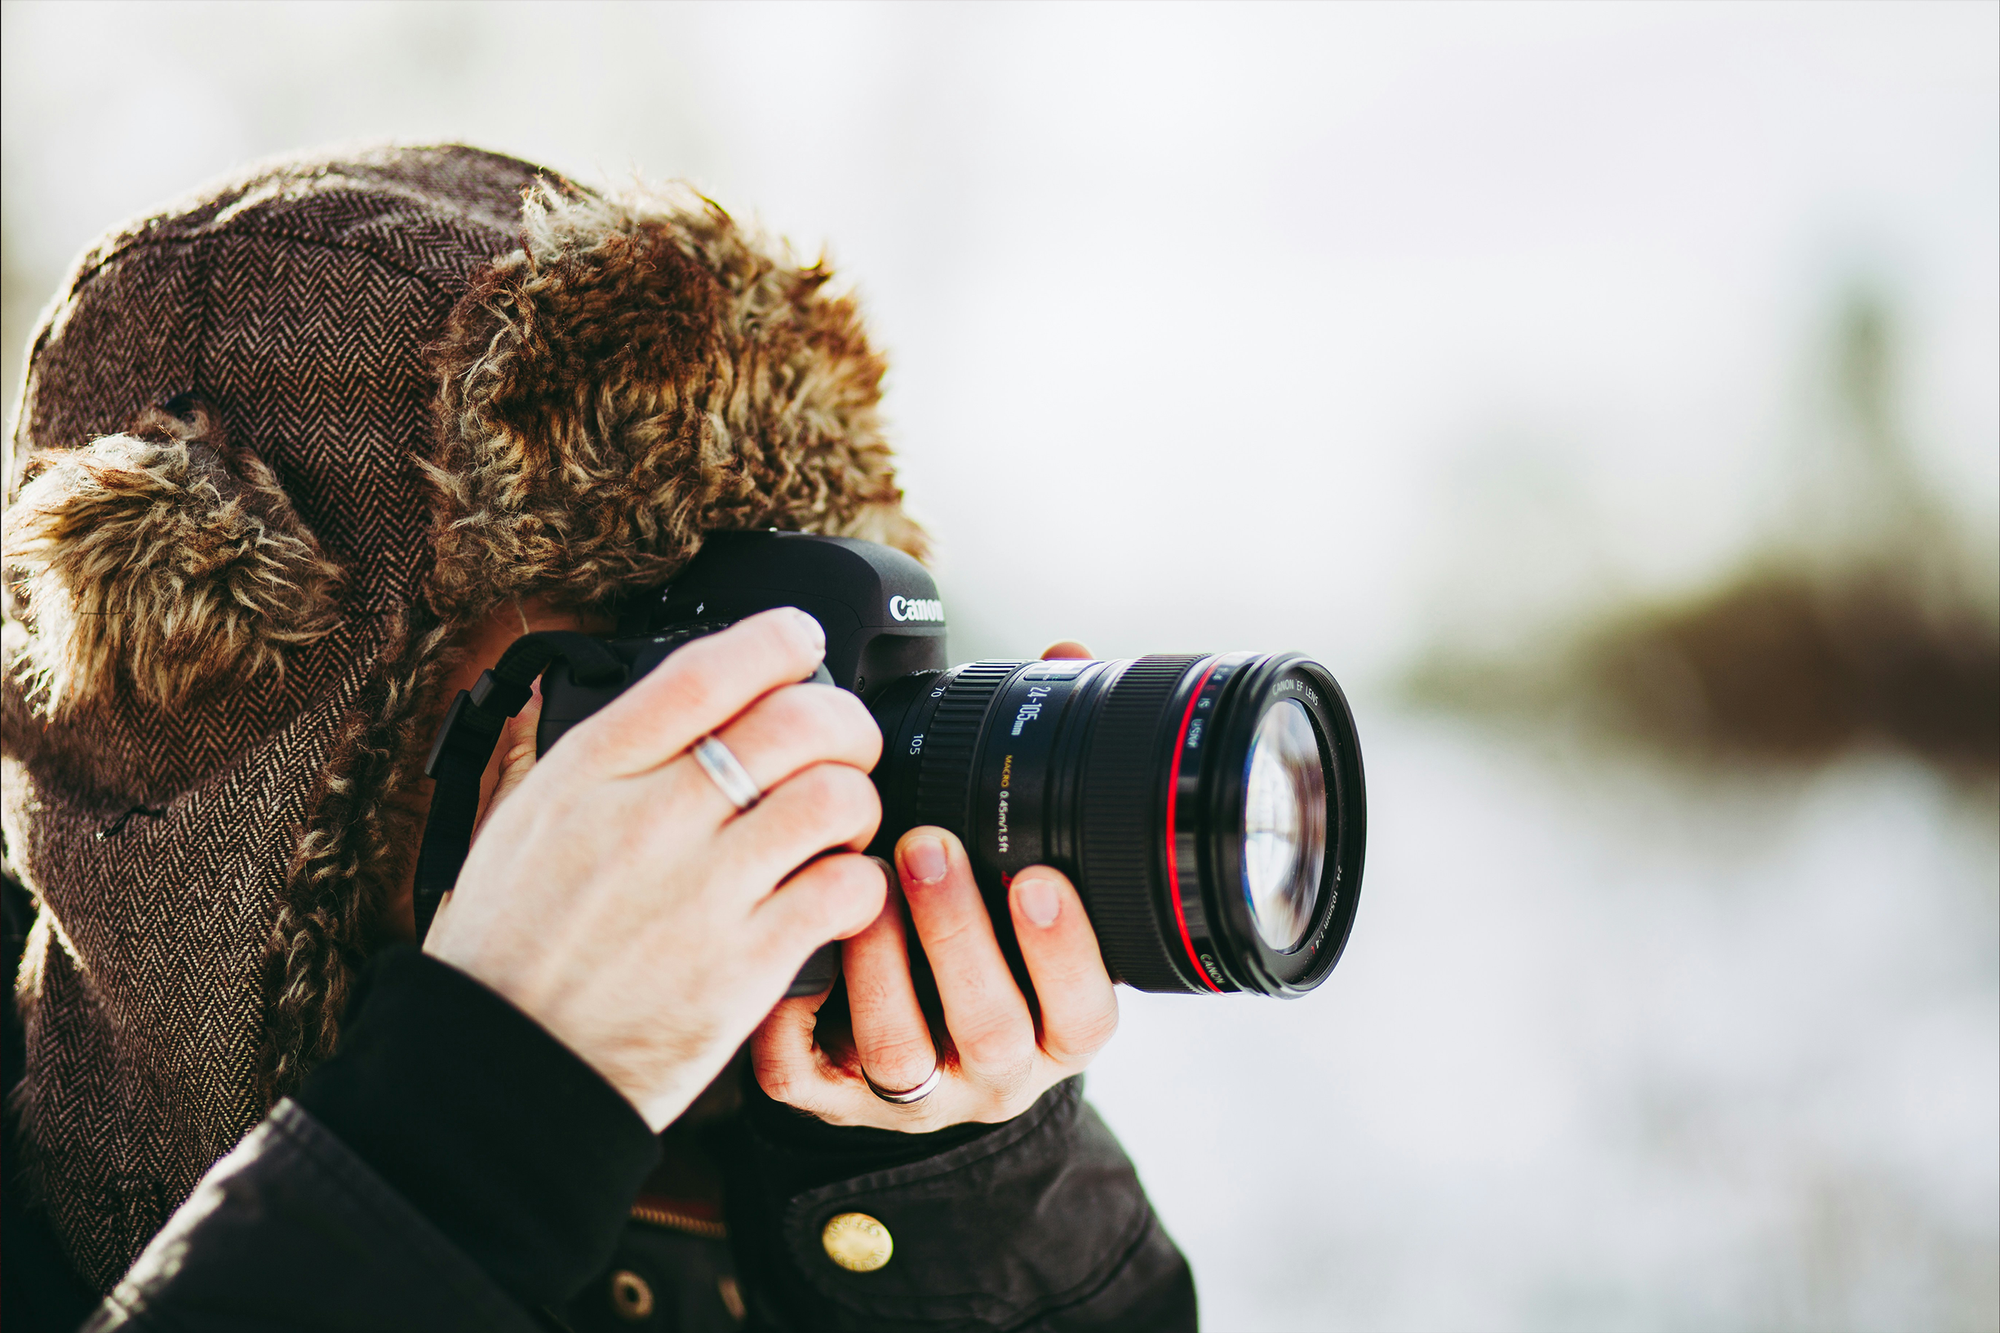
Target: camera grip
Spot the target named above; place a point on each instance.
(818, 973)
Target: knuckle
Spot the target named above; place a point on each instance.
(790, 709)
(1011, 1091)
(863, 878)
(831, 722)
(956, 933)
(808, 791)
(776, 1063)
(779, 1083)
(848, 798)
(847, 899)
(829, 801)
(1011, 1099)
(837, 898)
(998, 1050)
(1085, 1038)
(767, 643)
(519, 754)
(774, 633)
(908, 1055)
(849, 873)
(692, 691)
(1100, 1028)
(860, 737)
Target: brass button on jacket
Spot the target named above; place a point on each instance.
(631, 1296)
(857, 1242)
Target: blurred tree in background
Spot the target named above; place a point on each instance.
(1868, 620)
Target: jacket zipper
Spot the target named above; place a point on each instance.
(673, 1221)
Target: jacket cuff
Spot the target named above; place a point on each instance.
(1036, 1216)
(496, 1132)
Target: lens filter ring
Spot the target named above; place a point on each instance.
(1222, 826)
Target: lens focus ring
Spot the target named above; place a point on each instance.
(1121, 825)
(951, 741)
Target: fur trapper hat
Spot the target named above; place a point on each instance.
(280, 445)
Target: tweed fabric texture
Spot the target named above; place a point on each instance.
(284, 433)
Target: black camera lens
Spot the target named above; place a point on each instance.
(1209, 809)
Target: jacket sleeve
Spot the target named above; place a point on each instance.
(293, 1230)
(1039, 1223)
(454, 1167)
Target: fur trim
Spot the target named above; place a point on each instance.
(164, 558)
(643, 371)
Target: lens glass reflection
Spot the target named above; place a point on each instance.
(1284, 824)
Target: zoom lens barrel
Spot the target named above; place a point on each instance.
(1209, 808)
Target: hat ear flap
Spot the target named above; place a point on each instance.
(160, 558)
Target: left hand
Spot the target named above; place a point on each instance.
(996, 1050)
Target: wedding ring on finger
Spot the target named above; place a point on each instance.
(910, 1097)
(727, 771)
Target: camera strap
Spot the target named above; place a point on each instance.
(465, 742)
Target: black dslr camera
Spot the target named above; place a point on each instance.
(1208, 806)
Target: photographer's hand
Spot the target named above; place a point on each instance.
(619, 899)
(996, 1050)
(996, 1059)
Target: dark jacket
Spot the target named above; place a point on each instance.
(456, 1167)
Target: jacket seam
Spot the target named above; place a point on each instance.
(1149, 1223)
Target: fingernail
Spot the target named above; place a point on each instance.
(1040, 902)
(925, 860)
(814, 634)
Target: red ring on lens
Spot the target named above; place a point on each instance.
(1173, 792)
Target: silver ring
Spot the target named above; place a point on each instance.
(731, 778)
(914, 1095)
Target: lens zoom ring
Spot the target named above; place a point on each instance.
(1121, 785)
(944, 774)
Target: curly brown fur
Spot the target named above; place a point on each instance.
(165, 558)
(643, 371)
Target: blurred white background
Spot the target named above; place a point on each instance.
(1331, 328)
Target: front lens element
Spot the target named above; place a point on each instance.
(1284, 824)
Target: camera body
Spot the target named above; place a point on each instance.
(880, 610)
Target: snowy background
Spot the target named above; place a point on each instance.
(1357, 329)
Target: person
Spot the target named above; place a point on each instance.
(296, 456)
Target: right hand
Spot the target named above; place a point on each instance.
(616, 896)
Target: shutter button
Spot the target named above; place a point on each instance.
(857, 1242)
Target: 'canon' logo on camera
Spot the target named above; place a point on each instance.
(916, 608)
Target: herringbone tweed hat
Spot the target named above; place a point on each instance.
(279, 445)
